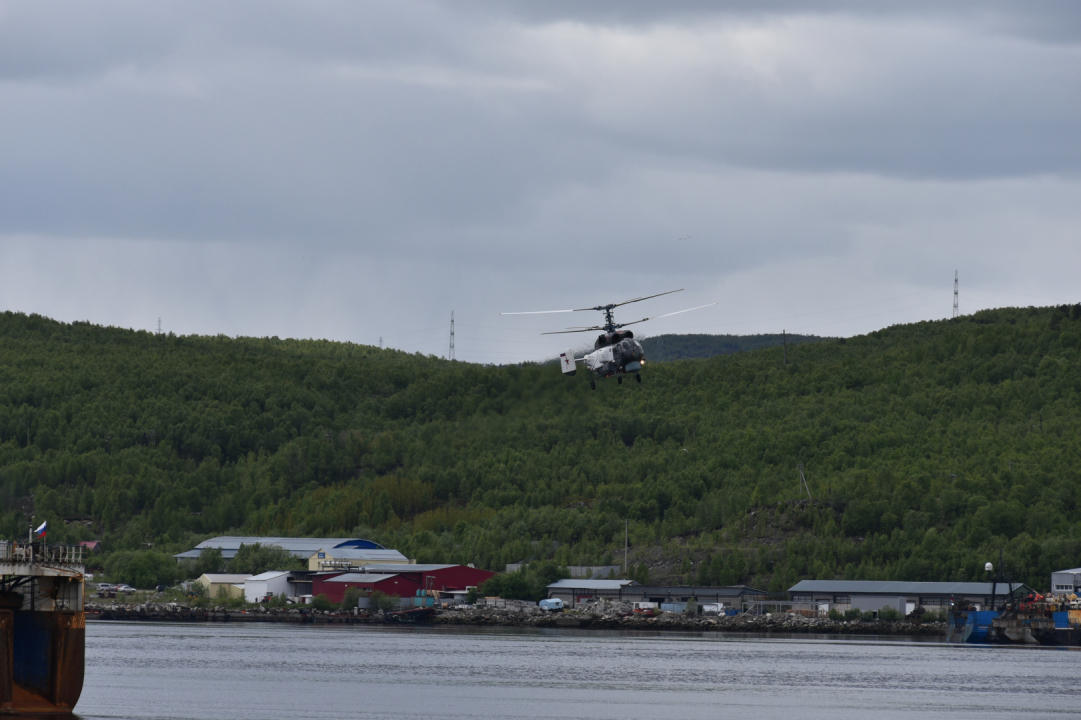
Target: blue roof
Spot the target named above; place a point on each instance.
(301, 547)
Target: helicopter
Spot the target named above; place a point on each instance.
(615, 351)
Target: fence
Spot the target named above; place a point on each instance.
(22, 552)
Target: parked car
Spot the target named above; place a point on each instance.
(106, 587)
(125, 588)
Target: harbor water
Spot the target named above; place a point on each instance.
(180, 671)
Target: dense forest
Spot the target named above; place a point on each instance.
(928, 449)
(687, 347)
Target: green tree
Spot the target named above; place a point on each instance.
(258, 558)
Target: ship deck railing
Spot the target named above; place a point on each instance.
(41, 553)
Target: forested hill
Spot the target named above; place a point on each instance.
(686, 347)
(928, 447)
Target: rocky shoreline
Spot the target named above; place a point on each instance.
(597, 619)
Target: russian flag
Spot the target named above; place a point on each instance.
(40, 532)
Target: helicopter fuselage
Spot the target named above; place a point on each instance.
(616, 354)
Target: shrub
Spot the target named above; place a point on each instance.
(888, 613)
(349, 601)
(322, 602)
(258, 558)
(386, 603)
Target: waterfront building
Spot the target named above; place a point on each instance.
(1066, 581)
(873, 595)
(214, 583)
(272, 582)
(401, 580)
(574, 590)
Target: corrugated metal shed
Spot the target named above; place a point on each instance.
(573, 584)
(301, 547)
(893, 587)
(1066, 581)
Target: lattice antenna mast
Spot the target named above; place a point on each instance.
(955, 293)
(450, 355)
(803, 482)
(159, 326)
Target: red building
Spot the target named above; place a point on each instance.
(401, 580)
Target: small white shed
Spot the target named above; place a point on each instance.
(273, 582)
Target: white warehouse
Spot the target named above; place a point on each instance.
(272, 582)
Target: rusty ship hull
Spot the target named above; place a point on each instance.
(42, 629)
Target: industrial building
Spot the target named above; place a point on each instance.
(576, 590)
(733, 596)
(232, 583)
(873, 595)
(311, 550)
(1066, 581)
(401, 580)
(272, 582)
(334, 585)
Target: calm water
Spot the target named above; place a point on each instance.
(231, 671)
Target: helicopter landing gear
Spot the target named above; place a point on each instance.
(619, 380)
(592, 384)
(637, 377)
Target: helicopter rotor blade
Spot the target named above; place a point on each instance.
(658, 317)
(539, 312)
(647, 297)
(564, 332)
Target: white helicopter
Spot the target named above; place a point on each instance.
(615, 352)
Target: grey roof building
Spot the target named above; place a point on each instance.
(358, 548)
(904, 596)
(1066, 581)
(575, 590)
(731, 595)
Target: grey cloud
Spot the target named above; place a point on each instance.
(352, 170)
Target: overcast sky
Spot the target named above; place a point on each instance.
(359, 170)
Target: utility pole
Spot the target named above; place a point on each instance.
(626, 533)
(803, 482)
(955, 293)
(450, 354)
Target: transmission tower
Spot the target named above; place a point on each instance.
(450, 355)
(380, 342)
(955, 293)
(159, 326)
(803, 482)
